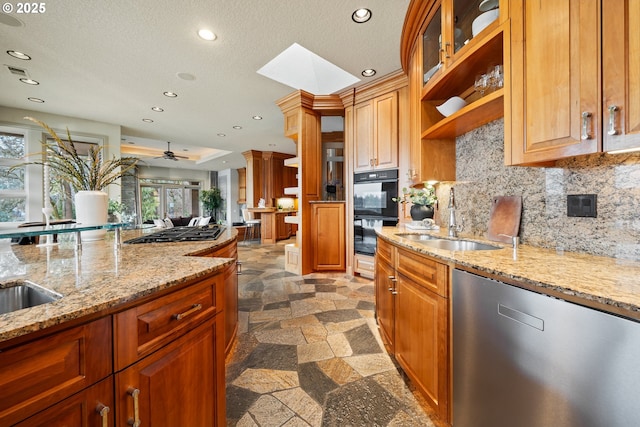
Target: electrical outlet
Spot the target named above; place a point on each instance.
(582, 205)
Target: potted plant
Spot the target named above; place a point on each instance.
(88, 176)
(212, 201)
(422, 201)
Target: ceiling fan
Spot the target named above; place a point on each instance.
(170, 155)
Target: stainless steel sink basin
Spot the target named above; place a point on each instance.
(24, 294)
(417, 237)
(450, 245)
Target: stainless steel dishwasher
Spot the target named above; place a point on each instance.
(523, 359)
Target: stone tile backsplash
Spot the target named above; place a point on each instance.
(482, 175)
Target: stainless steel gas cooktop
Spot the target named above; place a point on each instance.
(181, 234)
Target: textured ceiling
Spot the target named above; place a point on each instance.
(110, 61)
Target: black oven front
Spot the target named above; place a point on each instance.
(373, 194)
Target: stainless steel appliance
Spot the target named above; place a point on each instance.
(525, 359)
(181, 234)
(373, 206)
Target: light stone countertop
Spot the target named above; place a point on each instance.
(607, 284)
(100, 279)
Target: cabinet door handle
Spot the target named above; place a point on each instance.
(394, 292)
(370, 162)
(447, 47)
(375, 161)
(612, 120)
(586, 125)
(103, 410)
(193, 309)
(135, 422)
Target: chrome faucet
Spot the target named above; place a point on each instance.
(453, 227)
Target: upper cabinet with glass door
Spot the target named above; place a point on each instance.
(461, 41)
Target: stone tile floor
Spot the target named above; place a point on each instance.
(309, 352)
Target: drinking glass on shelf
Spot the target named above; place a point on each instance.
(480, 84)
(495, 76)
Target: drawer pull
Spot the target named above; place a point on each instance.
(104, 414)
(135, 422)
(193, 309)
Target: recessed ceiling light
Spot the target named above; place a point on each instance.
(185, 149)
(222, 134)
(157, 109)
(170, 94)
(369, 72)
(186, 76)
(272, 145)
(29, 81)
(147, 120)
(132, 143)
(19, 55)
(224, 161)
(257, 117)
(207, 35)
(361, 16)
(38, 100)
(237, 127)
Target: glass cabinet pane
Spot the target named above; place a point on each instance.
(431, 45)
(471, 17)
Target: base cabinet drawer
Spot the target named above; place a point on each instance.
(38, 374)
(144, 329)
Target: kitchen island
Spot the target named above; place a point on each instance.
(137, 321)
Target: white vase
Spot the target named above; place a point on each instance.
(91, 209)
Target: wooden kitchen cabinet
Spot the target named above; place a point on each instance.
(328, 233)
(553, 109)
(182, 384)
(621, 74)
(412, 310)
(44, 372)
(385, 284)
(442, 58)
(376, 133)
(230, 280)
(92, 407)
(169, 358)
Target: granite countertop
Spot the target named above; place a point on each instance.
(607, 284)
(101, 278)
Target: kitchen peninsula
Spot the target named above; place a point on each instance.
(273, 227)
(157, 309)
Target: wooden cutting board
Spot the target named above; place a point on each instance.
(504, 218)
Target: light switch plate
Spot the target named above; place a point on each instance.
(582, 205)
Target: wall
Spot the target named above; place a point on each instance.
(481, 175)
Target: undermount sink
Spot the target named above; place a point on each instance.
(24, 294)
(450, 245)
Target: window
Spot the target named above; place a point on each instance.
(13, 196)
(166, 198)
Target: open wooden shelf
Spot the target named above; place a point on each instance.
(474, 115)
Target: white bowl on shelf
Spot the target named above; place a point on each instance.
(483, 21)
(451, 105)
